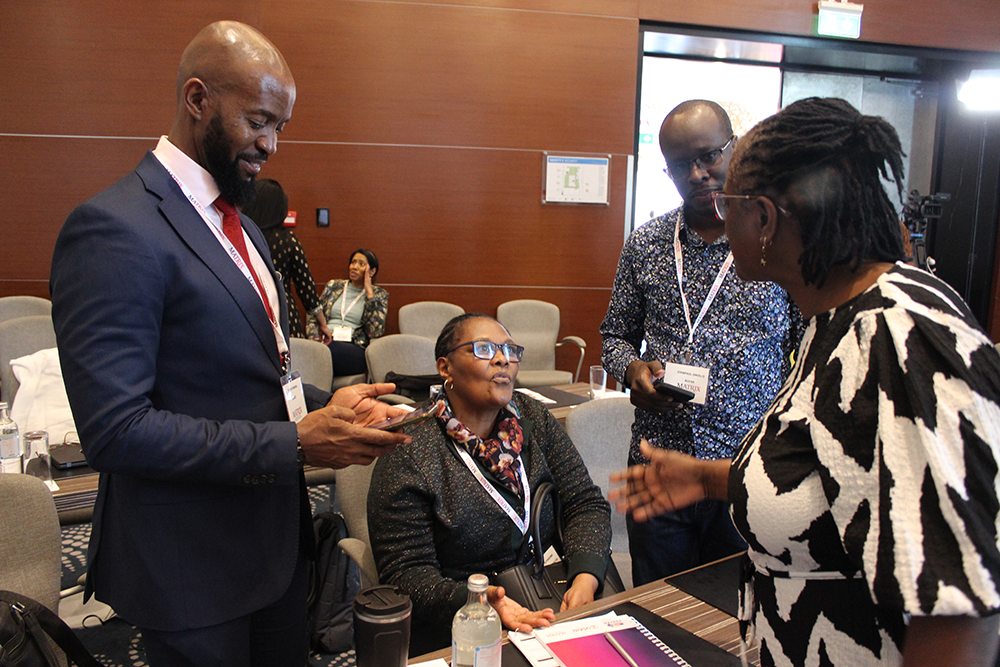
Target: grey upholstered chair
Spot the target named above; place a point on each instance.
(12, 307)
(602, 431)
(312, 360)
(405, 354)
(535, 325)
(18, 338)
(352, 496)
(30, 541)
(426, 318)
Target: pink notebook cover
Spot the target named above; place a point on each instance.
(596, 651)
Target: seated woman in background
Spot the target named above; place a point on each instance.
(436, 525)
(269, 209)
(355, 310)
(868, 490)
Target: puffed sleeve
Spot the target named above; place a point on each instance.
(920, 512)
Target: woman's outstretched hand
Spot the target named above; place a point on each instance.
(670, 481)
(514, 616)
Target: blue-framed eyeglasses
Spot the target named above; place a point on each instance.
(720, 201)
(486, 349)
(681, 168)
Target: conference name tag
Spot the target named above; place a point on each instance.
(295, 399)
(343, 334)
(692, 378)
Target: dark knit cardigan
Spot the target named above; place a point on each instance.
(432, 525)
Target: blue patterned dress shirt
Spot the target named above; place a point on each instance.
(746, 337)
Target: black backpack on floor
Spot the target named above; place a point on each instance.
(334, 582)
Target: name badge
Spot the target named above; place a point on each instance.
(295, 399)
(692, 378)
(343, 334)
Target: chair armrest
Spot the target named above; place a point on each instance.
(580, 343)
(361, 554)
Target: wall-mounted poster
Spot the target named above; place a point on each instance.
(575, 179)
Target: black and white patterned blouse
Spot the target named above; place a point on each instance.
(290, 261)
(869, 488)
(745, 339)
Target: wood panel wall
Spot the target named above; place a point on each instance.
(420, 125)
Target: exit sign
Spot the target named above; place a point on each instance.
(839, 19)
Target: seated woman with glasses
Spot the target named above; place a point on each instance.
(448, 504)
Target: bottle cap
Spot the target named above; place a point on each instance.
(478, 583)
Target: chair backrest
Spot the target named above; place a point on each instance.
(352, 497)
(313, 362)
(12, 307)
(602, 431)
(535, 325)
(426, 318)
(30, 541)
(18, 338)
(401, 353)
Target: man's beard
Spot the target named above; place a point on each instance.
(232, 186)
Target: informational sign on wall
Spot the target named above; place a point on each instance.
(576, 180)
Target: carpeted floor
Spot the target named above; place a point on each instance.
(118, 644)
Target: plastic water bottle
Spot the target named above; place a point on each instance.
(475, 632)
(10, 442)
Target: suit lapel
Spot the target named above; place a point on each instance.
(190, 227)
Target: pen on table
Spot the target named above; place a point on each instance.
(621, 651)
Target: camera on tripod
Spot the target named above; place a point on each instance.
(918, 213)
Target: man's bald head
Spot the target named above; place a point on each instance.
(223, 53)
(235, 93)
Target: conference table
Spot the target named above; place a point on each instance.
(678, 600)
(78, 486)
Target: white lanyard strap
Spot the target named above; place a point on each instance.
(343, 300)
(234, 254)
(521, 523)
(679, 261)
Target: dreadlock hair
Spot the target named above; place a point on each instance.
(446, 339)
(825, 157)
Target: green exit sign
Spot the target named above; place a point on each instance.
(839, 19)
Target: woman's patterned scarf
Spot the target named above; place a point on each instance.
(499, 454)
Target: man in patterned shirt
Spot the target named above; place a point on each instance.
(727, 340)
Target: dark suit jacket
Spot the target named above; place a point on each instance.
(172, 373)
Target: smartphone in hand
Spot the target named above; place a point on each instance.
(412, 417)
(679, 394)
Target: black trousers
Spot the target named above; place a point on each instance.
(275, 636)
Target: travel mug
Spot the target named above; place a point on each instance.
(382, 627)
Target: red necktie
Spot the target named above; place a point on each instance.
(233, 230)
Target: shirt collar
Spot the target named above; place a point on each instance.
(191, 174)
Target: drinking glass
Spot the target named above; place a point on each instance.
(598, 379)
(36, 455)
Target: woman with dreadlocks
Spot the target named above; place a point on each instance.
(868, 491)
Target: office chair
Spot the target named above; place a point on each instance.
(312, 360)
(426, 318)
(352, 496)
(535, 325)
(12, 307)
(30, 541)
(602, 431)
(404, 354)
(20, 337)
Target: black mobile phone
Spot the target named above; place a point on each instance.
(679, 394)
(412, 417)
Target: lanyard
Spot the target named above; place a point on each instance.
(679, 260)
(521, 523)
(343, 300)
(234, 254)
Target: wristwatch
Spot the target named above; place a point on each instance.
(299, 454)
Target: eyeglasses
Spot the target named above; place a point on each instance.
(681, 168)
(721, 202)
(487, 349)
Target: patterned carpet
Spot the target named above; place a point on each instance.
(116, 643)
